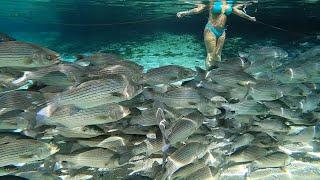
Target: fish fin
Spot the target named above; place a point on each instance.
(75, 147)
(83, 63)
(243, 54)
(117, 94)
(192, 103)
(22, 79)
(27, 61)
(44, 113)
(27, 156)
(161, 119)
(19, 164)
(101, 117)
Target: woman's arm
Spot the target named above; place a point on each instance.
(197, 10)
(242, 14)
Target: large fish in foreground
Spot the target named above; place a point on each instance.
(55, 75)
(94, 93)
(16, 150)
(26, 55)
(70, 116)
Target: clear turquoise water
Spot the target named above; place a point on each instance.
(148, 32)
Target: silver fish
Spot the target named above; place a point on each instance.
(15, 150)
(187, 98)
(127, 68)
(265, 91)
(185, 127)
(78, 132)
(70, 116)
(267, 52)
(248, 107)
(16, 120)
(183, 156)
(94, 93)
(241, 141)
(251, 153)
(20, 100)
(203, 173)
(239, 172)
(37, 175)
(230, 78)
(55, 75)
(167, 74)
(277, 159)
(114, 143)
(20, 54)
(97, 158)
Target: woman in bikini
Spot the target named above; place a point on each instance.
(214, 33)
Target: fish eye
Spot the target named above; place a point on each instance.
(49, 57)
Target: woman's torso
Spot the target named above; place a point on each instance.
(218, 12)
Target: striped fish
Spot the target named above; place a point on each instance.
(183, 156)
(98, 158)
(14, 150)
(185, 127)
(94, 93)
(127, 68)
(70, 116)
(22, 100)
(167, 74)
(55, 75)
(26, 55)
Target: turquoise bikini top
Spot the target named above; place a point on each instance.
(217, 7)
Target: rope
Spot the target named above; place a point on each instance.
(272, 26)
(102, 24)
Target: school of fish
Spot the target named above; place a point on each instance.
(255, 116)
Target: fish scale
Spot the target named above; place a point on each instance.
(19, 54)
(277, 159)
(185, 127)
(13, 152)
(20, 99)
(167, 74)
(93, 92)
(82, 117)
(99, 158)
(183, 156)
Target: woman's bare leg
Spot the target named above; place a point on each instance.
(210, 41)
(220, 44)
